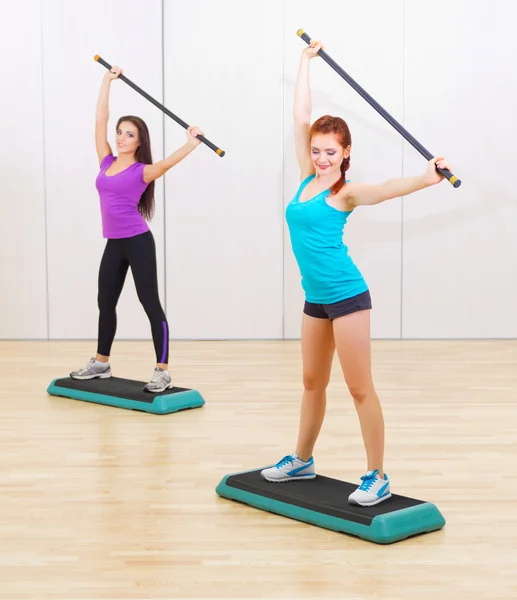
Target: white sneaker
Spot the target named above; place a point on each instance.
(289, 468)
(93, 370)
(372, 490)
(160, 382)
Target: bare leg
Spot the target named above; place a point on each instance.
(352, 336)
(317, 352)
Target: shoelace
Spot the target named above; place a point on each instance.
(89, 367)
(287, 459)
(368, 480)
(157, 376)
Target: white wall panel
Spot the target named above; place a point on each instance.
(23, 282)
(223, 72)
(460, 247)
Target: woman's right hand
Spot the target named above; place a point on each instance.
(312, 50)
(192, 140)
(113, 73)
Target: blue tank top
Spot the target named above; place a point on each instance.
(316, 228)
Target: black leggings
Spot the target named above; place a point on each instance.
(139, 253)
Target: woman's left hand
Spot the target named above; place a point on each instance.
(432, 176)
(192, 133)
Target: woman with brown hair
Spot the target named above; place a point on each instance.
(126, 189)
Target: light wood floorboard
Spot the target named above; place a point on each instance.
(103, 503)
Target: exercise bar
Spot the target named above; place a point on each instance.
(416, 144)
(160, 106)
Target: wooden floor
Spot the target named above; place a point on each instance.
(102, 503)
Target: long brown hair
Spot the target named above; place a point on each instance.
(338, 127)
(143, 155)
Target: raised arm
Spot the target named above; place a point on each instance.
(102, 116)
(302, 110)
(360, 194)
(152, 172)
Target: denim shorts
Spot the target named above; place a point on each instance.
(339, 309)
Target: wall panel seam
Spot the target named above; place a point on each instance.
(44, 168)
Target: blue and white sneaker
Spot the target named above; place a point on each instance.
(291, 467)
(372, 490)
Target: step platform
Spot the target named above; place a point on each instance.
(126, 393)
(323, 501)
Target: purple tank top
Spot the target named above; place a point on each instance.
(119, 197)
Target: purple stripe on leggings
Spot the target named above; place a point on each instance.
(165, 340)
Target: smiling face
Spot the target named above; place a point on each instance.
(327, 154)
(127, 138)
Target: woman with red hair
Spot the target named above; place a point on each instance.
(336, 315)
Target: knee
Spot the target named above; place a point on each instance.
(314, 383)
(361, 392)
(105, 303)
(150, 303)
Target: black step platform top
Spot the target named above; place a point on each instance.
(322, 495)
(116, 387)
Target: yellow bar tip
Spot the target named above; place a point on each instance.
(96, 57)
(300, 32)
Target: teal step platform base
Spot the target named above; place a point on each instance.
(324, 502)
(126, 393)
